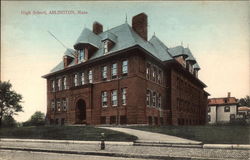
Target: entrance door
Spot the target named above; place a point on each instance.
(80, 112)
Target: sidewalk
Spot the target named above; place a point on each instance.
(121, 149)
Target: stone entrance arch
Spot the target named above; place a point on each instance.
(80, 112)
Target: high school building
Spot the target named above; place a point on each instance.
(119, 76)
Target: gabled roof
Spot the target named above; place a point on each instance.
(196, 66)
(178, 51)
(109, 36)
(222, 101)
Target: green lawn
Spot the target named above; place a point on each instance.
(64, 133)
(223, 134)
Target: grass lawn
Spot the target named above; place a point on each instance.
(223, 134)
(64, 133)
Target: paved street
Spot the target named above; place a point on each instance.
(26, 155)
(153, 137)
(133, 150)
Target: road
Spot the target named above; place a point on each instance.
(26, 155)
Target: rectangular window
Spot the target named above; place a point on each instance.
(59, 83)
(82, 78)
(148, 71)
(159, 101)
(52, 105)
(124, 96)
(208, 118)
(58, 103)
(90, 76)
(227, 109)
(114, 97)
(81, 56)
(65, 105)
(53, 86)
(104, 72)
(148, 97)
(104, 99)
(154, 99)
(125, 67)
(76, 80)
(114, 70)
(209, 109)
(154, 74)
(64, 83)
(105, 47)
(159, 77)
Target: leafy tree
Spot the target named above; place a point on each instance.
(8, 121)
(37, 119)
(245, 101)
(9, 101)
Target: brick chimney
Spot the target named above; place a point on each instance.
(140, 24)
(67, 60)
(229, 94)
(97, 28)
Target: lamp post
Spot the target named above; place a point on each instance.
(102, 141)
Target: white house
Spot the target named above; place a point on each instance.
(222, 110)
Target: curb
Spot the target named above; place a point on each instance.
(227, 146)
(66, 141)
(110, 154)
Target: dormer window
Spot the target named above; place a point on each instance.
(105, 47)
(81, 56)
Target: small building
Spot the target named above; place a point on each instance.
(243, 112)
(222, 110)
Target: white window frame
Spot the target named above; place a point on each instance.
(105, 47)
(114, 98)
(125, 66)
(154, 99)
(148, 71)
(59, 84)
(53, 86)
(82, 79)
(90, 76)
(81, 56)
(58, 105)
(114, 70)
(104, 72)
(76, 79)
(65, 104)
(104, 97)
(64, 83)
(148, 97)
(124, 96)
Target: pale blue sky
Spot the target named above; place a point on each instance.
(217, 34)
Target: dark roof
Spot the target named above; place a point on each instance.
(178, 51)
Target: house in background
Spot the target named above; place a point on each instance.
(222, 110)
(119, 76)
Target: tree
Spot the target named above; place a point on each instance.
(245, 101)
(37, 119)
(8, 121)
(9, 101)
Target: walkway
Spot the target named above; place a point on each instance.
(150, 137)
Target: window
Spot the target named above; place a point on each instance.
(159, 76)
(58, 103)
(52, 105)
(209, 109)
(232, 116)
(153, 74)
(227, 109)
(159, 101)
(59, 83)
(90, 76)
(104, 72)
(148, 71)
(105, 47)
(125, 67)
(148, 97)
(124, 96)
(76, 80)
(65, 104)
(81, 56)
(53, 86)
(154, 99)
(82, 79)
(208, 118)
(104, 99)
(114, 97)
(64, 83)
(114, 70)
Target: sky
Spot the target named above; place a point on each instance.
(217, 33)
